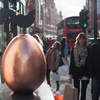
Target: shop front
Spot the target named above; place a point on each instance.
(8, 29)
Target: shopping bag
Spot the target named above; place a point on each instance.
(58, 97)
(70, 93)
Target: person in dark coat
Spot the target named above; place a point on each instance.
(94, 66)
(45, 45)
(64, 50)
(78, 70)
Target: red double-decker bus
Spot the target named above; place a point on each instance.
(71, 29)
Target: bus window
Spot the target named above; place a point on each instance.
(73, 22)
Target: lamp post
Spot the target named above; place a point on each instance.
(95, 20)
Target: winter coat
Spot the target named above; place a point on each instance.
(64, 52)
(45, 46)
(78, 72)
(53, 57)
(93, 61)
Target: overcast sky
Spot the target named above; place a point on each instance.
(69, 7)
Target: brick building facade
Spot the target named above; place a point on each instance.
(50, 16)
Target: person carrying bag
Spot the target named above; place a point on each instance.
(78, 71)
(53, 57)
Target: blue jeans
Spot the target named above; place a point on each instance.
(95, 88)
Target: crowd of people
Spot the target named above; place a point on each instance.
(84, 64)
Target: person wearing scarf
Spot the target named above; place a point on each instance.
(78, 70)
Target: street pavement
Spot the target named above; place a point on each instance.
(63, 82)
(42, 93)
(4, 90)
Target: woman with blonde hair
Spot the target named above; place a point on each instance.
(53, 57)
(78, 70)
(36, 36)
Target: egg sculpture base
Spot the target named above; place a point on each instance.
(23, 64)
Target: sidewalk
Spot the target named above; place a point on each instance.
(42, 93)
(63, 82)
(4, 90)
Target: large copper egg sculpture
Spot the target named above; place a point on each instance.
(23, 64)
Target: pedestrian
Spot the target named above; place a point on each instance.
(78, 70)
(64, 51)
(36, 36)
(53, 57)
(94, 66)
(45, 44)
(11, 35)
